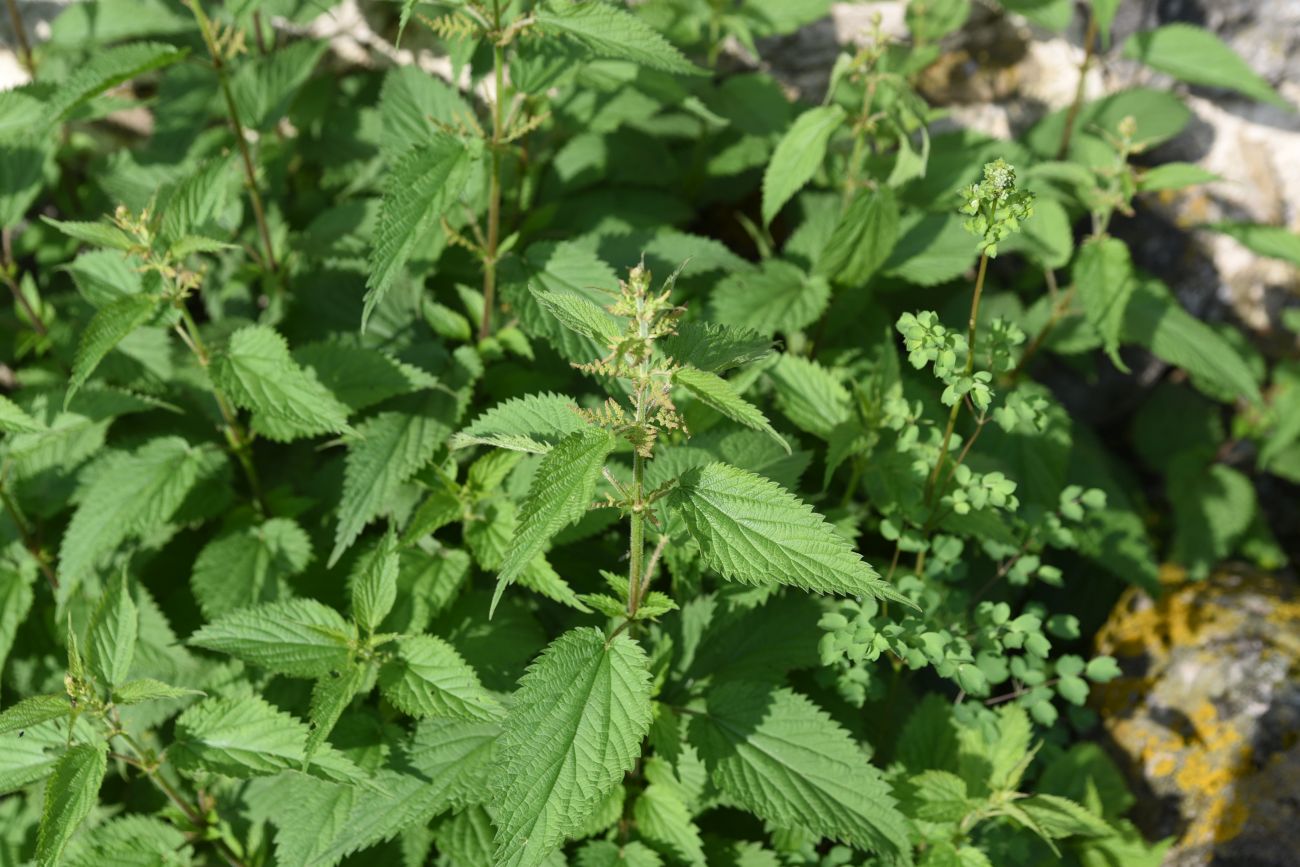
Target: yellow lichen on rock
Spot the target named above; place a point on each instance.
(1210, 692)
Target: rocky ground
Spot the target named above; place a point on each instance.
(1001, 74)
(1207, 714)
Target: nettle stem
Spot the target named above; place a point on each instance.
(236, 437)
(7, 273)
(494, 182)
(29, 539)
(150, 767)
(972, 329)
(241, 141)
(636, 553)
(1089, 46)
(852, 178)
(20, 34)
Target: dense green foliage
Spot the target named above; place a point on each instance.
(604, 460)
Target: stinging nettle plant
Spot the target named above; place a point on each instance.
(592, 689)
(356, 511)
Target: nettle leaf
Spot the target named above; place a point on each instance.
(96, 234)
(320, 823)
(443, 506)
(862, 240)
(932, 248)
(330, 696)
(257, 373)
(563, 269)
(300, 638)
(752, 530)
(71, 792)
(247, 737)
(1213, 507)
(581, 316)
(779, 297)
(1276, 242)
(560, 494)
(16, 598)
(776, 754)
(798, 156)
(29, 757)
(131, 494)
(148, 689)
(388, 450)
(264, 84)
(374, 587)
(714, 347)
(195, 204)
(611, 32)
(34, 711)
(491, 539)
(411, 105)
(1174, 176)
(1197, 56)
(14, 419)
(466, 838)
(527, 424)
(249, 566)
(1104, 12)
(134, 839)
(110, 642)
(109, 327)
(1156, 320)
(1104, 282)
(421, 187)
(811, 396)
(426, 677)
(22, 174)
(603, 853)
(940, 796)
(458, 755)
(1060, 817)
(663, 817)
(358, 376)
(716, 392)
(574, 729)
(106, 68)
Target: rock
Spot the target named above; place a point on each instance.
(1206, 715)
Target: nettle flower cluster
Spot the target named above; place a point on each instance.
(650, 317)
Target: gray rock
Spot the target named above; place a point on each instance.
(1206, 715)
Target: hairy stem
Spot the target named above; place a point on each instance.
(6, 268)
(20, 34)
(232, 111)
(636, 552)
(652, 565)
(972, 329)
(494, 181)
(150, 770)
(859, 142)
(236, 437)
(259, 34)
(1089, 45)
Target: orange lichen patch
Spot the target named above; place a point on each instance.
(1172, 712)
(1188, 613)
(1213, 762)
